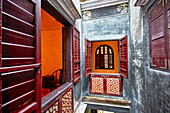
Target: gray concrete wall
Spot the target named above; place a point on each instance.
(108, 23)
(147, 88)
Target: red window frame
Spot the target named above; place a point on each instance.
(76, 54)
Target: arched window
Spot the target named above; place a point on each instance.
(104, 57)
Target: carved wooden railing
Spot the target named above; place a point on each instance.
(59, 101)
(106, 85)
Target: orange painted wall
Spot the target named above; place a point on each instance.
(51, 44)
(114, 45)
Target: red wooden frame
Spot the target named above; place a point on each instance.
(87, 60)
(123, 60)
(100, 76)
(119, 85)
(76, 61)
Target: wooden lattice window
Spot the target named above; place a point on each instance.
(104, 57)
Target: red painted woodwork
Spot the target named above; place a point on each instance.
(76, 54)
(105, 85)
(20, 59)
(87, 57)
(159, 35)
(97, 84)
(158, 38)
(123, 56)
(168, 30)
(113, 85)
(62, 104)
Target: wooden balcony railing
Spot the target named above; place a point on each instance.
(59, 101)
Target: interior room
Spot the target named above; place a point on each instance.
(52, 49)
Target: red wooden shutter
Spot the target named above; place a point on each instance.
(123, 54)
(168, 31)
(157, 37)
(20, 80)
(87, 57)
(76, 54)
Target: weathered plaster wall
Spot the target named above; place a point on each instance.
(112, 25)
(148, 89)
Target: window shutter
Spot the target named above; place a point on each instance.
(168, 31)
(123, 51)
(87, 57)
(76, 54)
(158, 37)
(20, 80)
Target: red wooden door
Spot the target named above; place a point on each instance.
(87, 57)
(123, 56)
(20, 79)
(76, 54)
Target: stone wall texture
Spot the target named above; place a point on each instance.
(147, 88)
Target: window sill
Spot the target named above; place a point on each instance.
(115, 74)
(54, 95)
